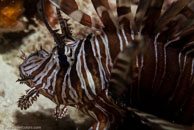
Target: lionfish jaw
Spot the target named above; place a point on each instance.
(27, 80)
(22, 80)
(60, 112)
(27, 100)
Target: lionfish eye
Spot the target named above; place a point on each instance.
(61, 55)
(63, 59)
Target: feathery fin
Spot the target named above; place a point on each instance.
(141, 12)
(152, 14)
(27, 100)
(169, 14)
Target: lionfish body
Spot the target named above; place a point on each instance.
(78, 72)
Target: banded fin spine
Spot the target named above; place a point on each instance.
(148, 12)
(125, 16)
(66, 33)
(169, 14)
(106, 15)
(70, 8)
(56, 37)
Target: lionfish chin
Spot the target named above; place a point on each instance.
(138, 65)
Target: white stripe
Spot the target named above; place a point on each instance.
(107, 52)
(105, 113)
(72, 91)
(89, 75)
(32, 66)
(79, 72)
(107, 45)
(95, 117)
(125, 37)
(64, 85)
(113, 117)
(132, 34)
(31, 59)
(137, 64)
(121, 41)
(44, 72)
(55, 77)
(29, 72)
(100, 66)
(55, 71)
(56, 3)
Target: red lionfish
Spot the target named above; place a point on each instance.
(130, 61)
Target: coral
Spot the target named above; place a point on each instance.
(10, 11)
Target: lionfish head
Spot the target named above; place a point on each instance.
(29, 68)
(34, 72)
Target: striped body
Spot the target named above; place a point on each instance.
(78, 72)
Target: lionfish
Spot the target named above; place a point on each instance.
(137, 65)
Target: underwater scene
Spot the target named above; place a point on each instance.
(97, 64)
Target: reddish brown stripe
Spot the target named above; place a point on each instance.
(42, 66)
(68, 6)
(59, 82)
(86, 20)
(74, 76)
(98, 3)
(103, 54)
(49, 73)
(92, 65)
(31, 63)
(123, 10)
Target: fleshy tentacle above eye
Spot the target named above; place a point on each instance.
(56, 37)
(66, 33)
(61, 39)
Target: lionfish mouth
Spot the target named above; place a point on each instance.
(26, 80)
